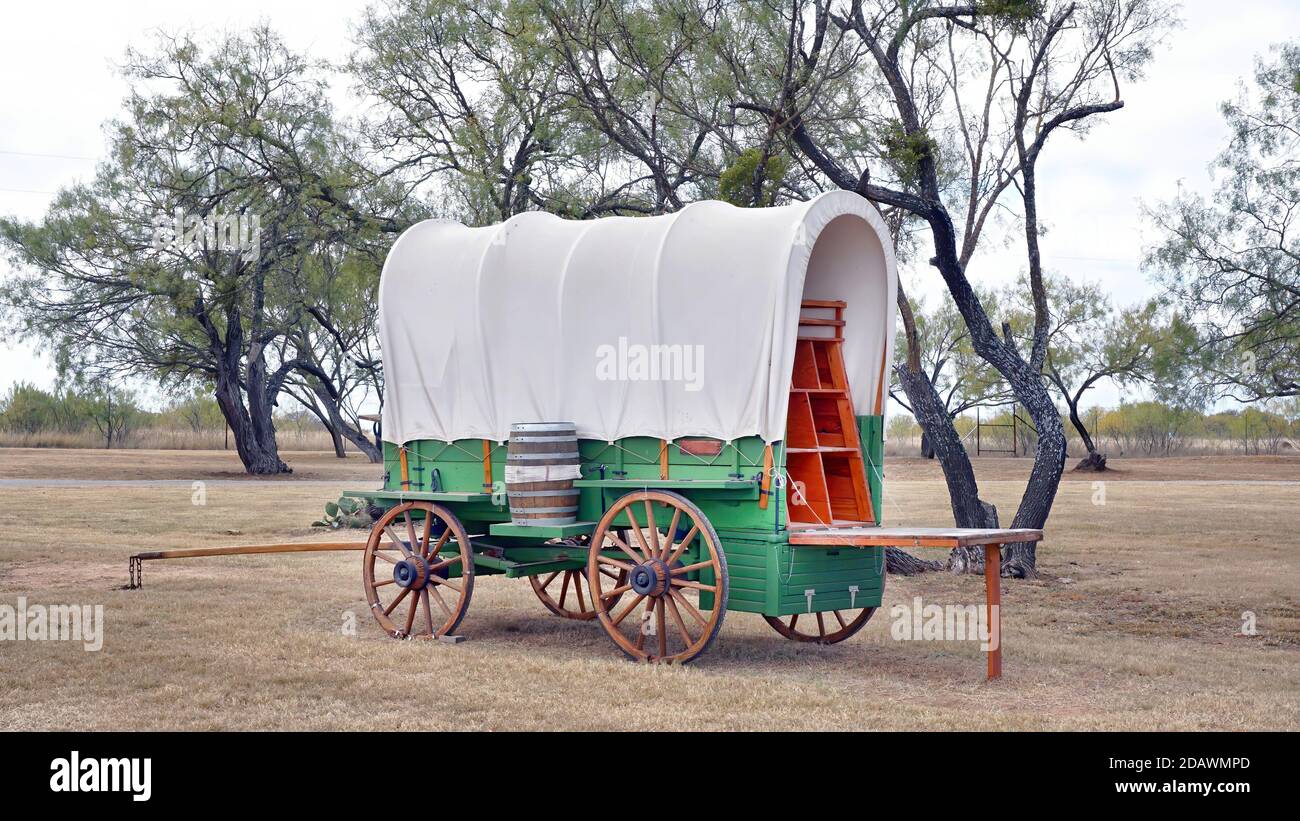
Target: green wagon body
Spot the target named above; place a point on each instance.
(767, 575)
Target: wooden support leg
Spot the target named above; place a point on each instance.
(993, 606)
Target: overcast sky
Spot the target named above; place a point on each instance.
(59, 86)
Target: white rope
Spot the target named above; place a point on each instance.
(541, 473)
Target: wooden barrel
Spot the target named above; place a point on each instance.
(541, 464)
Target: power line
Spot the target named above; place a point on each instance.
(1091, 259)
(52, 156)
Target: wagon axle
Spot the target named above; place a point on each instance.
(650, 578)
(411, 572)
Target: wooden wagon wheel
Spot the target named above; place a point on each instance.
(827, 627)
(562, 592)
(406, 571)
(664, 621)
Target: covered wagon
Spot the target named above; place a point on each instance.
(654, 420)
(651, 419)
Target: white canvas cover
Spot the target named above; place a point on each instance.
(545, 319)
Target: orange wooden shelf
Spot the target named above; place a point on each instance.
(823, 451)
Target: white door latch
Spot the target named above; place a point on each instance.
(853, 596)
(808, 594)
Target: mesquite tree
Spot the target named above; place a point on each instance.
(1233, 263)
(929, 109)
(177, 260)
(972, 93)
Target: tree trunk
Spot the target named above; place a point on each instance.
(901, 563)
(1020, 559)
(963, 491)
(927, 450)
(339, 428)
(1093, 461)
(1026, 382)
(260, 457)
(370, 449)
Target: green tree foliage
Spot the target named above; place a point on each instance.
(1232, 262)
(1091, 342)
(28, 409)
(753, 180)
(470, 103)
(240, 130)
(196, 411)
(961, 377)
(100, 407)
(114, 412)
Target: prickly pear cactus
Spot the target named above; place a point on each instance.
(346, 512)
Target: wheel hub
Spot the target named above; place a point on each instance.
(649, 578)
(412, 572)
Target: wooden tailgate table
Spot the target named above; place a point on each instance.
(992, 540)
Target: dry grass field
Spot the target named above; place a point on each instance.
(1134, 625)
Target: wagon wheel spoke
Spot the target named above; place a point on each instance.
(410, 614)
(652, 549)
(660, 627)
(623, 546)
(616, 592)
(678, 571)
(821, 625)
(646, 622)
(638, 534)
(564, 590)
(640, 632)
(577, 586)
(434, 568)
(416, 545)
(388, 610)
(441, 602)
(687, 639)
(428, 610)
(672, 534)
(437, 547)
(676, 582)
(688, 607)
(397, 540)
(681, 547)
(428, 533)
(840, 618)
(617, 620)
(605, 560)
(438, 580)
